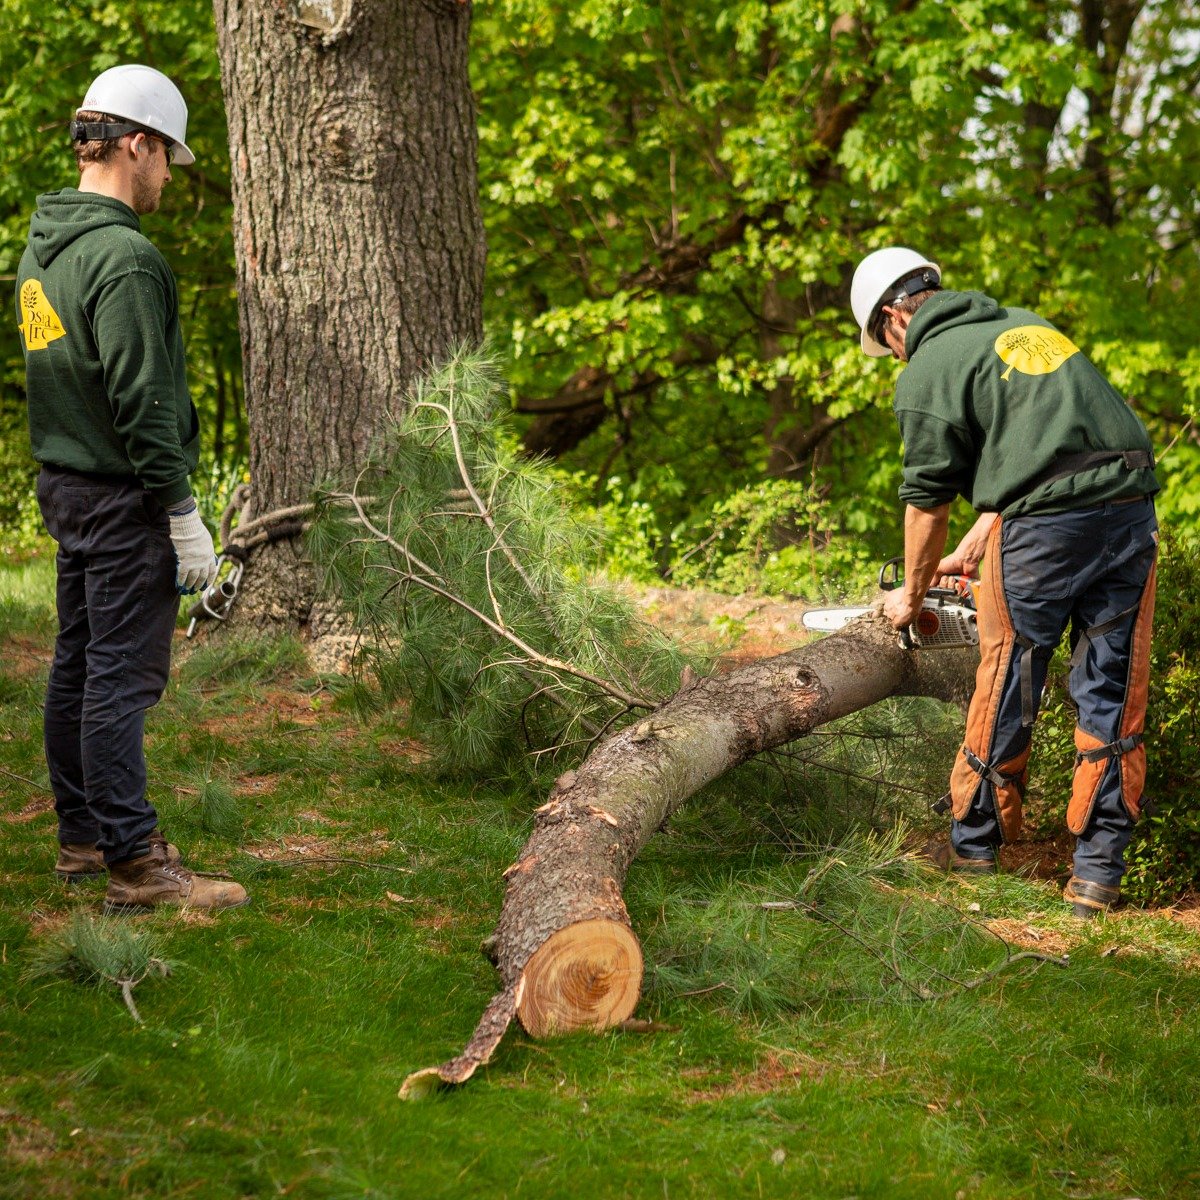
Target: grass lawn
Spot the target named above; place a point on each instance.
(790, 1053)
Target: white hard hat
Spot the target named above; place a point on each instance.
(884, 277)
(145, 97)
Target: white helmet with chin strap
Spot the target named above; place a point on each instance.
(145, 100)
(886, 277)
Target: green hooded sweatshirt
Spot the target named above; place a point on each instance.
(992, 397)
(99, 317)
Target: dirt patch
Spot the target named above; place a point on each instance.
(270, 707)
(1186, 911)
(24, 655)
(255, 785)
(735, 628)
(35, 808)
(1046, 857)
(26, 1141)
(1026, 935)
(774, 1072)
(314, 849)
(438, 921)
(405, 748)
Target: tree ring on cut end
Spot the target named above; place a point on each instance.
(586, 976)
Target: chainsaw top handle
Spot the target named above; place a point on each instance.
(891, 576)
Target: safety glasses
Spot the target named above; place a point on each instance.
(168, 148)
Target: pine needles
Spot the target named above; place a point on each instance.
(854, 926)
(477, 589)
(96, 951)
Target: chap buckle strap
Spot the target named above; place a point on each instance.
(1087, 636)
(1112, 750)
(984, 771)
(1029, 703)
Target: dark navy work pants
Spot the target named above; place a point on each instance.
(1083, 569)
(117, 606)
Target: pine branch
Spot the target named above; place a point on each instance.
(424, 576)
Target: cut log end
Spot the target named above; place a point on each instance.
(586, 976)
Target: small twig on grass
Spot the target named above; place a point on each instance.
(704, 991)
(30, 782)
(127, 986)
(308, 862)
(154, 966)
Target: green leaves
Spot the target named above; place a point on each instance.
(706, 179)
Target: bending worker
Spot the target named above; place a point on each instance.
(999, 407)
(113, 425)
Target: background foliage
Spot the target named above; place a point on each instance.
(675, 197)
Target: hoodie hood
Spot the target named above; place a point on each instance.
(949, 310)
(63, 217)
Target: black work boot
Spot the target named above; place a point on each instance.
(1088, 900)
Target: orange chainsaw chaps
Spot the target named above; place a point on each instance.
(1132, 765)
(996, 643)
(1086, 783)
(1137, 688)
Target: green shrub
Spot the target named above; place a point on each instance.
(20, 519)
(1164, 857)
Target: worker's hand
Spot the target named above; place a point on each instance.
(900, 609)
(968, 554)
(195, 555)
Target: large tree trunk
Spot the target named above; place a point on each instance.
(359, 241)
(564, 948)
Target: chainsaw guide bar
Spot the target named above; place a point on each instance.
(947, 619)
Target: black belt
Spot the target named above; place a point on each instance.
(1071, 464)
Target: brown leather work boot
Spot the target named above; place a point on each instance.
(80, 861)
(944, 857)
(152, 881)
(1088, 900)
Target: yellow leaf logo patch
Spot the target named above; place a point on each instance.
(39, 322)
(1033, 350)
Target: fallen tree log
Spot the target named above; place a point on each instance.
(564, 947)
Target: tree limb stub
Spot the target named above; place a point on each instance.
(566, 953)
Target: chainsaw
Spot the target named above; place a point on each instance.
(946, 619)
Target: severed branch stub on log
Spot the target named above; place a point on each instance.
(566, 953)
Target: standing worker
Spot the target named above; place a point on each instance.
(114, 428)
(999, 407)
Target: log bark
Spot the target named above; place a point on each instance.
(564, 948)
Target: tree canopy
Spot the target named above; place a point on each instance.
(675, 198)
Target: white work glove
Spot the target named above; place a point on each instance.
(195, 555)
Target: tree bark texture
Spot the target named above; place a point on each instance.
(570, 875)
(360, 247)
